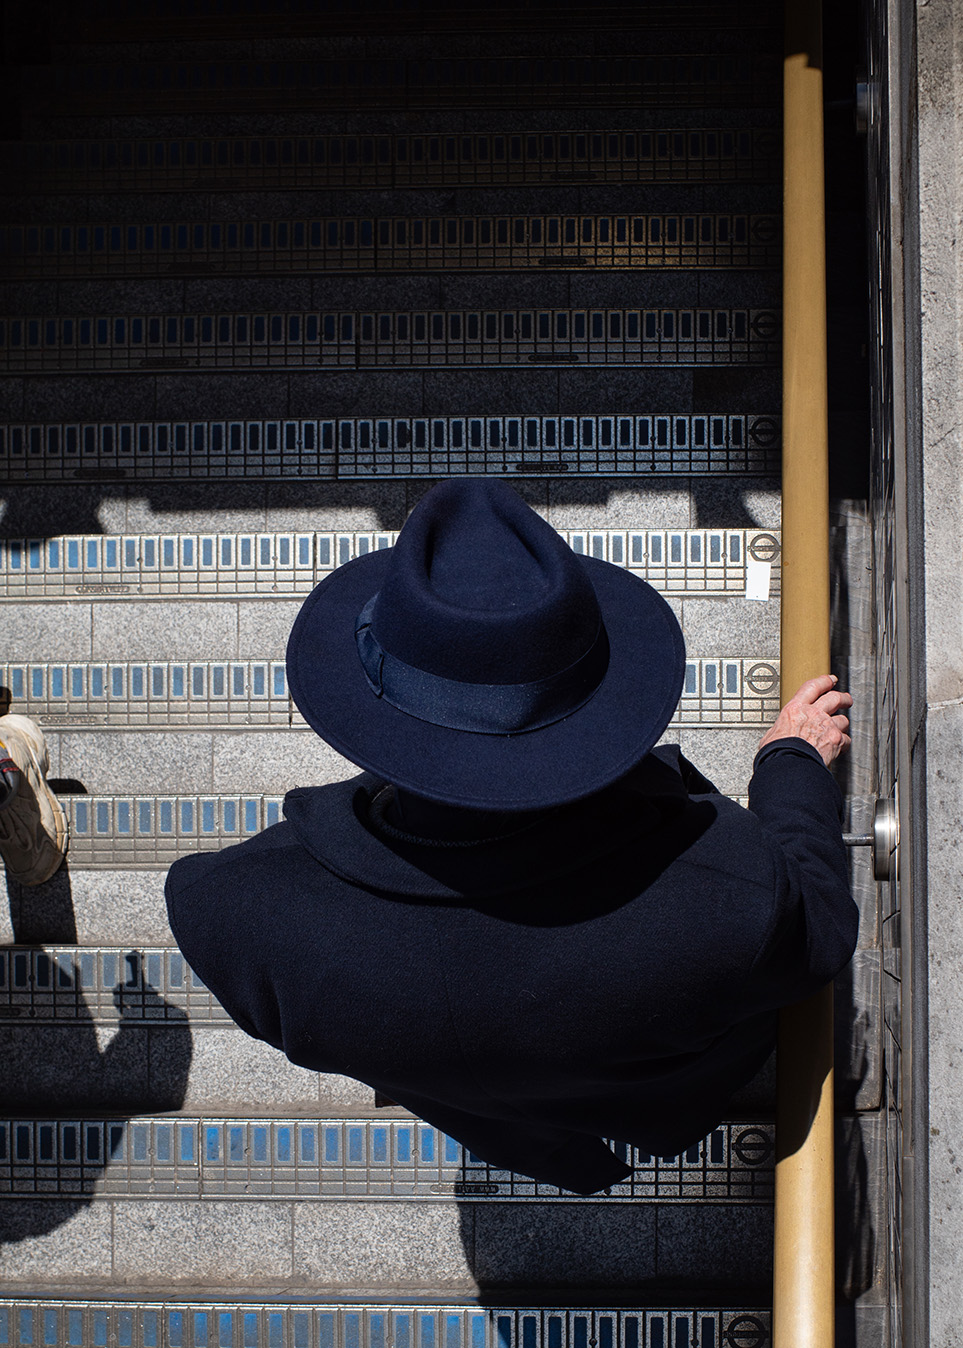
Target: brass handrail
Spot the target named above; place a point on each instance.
(803, 1282)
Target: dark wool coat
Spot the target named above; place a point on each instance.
(611, 972)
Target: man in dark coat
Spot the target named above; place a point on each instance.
(523, 922)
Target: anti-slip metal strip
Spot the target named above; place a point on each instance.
(151, 695)
(280, 565)
(159, 695)
(399, 447)
(411, 339)
(149, 832)
(298, 162)
(70, 985)
(173, 87)
(342, 1159)
(393, 244)
(197, 1323)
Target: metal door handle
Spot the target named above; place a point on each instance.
(884, 839)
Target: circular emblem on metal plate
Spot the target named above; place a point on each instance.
(762, 679)
(765, 324)
(764, 431)
(764, 548)
(746, 1332)
(764, 229)
(752, 1146)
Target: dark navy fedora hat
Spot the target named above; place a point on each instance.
(481, 662)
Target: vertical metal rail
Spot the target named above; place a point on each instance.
(803, 1285)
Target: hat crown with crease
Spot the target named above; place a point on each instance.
(481, 662)
(482, 590)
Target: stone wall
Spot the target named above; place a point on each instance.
(935, 729)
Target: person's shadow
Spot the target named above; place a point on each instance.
(69, 1085)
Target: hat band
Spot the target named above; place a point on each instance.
(482, 708)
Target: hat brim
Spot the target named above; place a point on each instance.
(594, 746)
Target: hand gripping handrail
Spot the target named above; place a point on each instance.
(803, 1283)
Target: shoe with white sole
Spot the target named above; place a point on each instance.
(33, 827)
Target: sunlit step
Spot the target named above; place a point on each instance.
(110, 566)
(158, 695)
(344, 1159)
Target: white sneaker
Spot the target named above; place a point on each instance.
(33, 827)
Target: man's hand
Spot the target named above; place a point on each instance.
(812, 714)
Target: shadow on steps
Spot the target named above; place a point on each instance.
(70, 1070)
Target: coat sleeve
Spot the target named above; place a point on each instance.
(218, 950)
(550, 1155)
(815, 920)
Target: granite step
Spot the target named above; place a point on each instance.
(353, 510)
(194, 629)
(441, 79)
(243, 399)
(110, 1227)
(350, 1247)
(260, 766)
(575, 32)
(132, 1025)
(133, 1067)
(119, 21)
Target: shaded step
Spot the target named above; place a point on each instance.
(375, 233)
(586, 504)
(139, 1063)
(133, 1066)
(391, 446)
(172, 397)
(389, 339)
(350, 1250)
(126, 21)
(693, 79)
(281, 565)
(417, 291)
(578, 35)
(454, 243)
(319, 162)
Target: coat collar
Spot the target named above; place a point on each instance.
(335, 825)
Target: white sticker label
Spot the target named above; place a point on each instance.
(758, 579)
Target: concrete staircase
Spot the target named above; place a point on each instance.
(271, 268)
